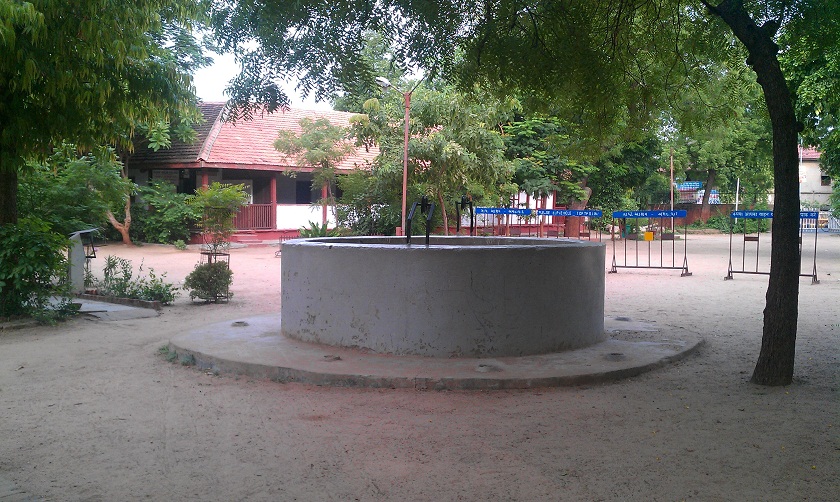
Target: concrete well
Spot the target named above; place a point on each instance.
(458, 296)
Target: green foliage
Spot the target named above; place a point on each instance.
(33, 268)
(626, 177)
(119, 281)
(810, 57)
(742, 226)
(210, 281)
(218, 205)
(545, 155)
(169, 217)
(167, 353)
(455, 146)
(375, 55)
(370, 201)
(72, 191)
(180, 245)
(727, 148)
(834, 199)
(89, 72)
(321, 146)
(316, 230)
(187, 360)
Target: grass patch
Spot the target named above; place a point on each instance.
(168, 354)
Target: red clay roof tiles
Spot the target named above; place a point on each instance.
(246, 144)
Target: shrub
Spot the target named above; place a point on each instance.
(210, 281)
(119, 281)
(170, 217)
(33, 269)
(71, 191)
(316, 230)
(218, 204)
(744, 225)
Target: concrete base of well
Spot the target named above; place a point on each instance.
(254, 347)
(459, 296)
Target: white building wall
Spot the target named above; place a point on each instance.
(295, 216)
(811, 188)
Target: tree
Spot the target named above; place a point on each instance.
(628, 171)
(455, 146)
(170, 217)
(615, 62)
(543, 156)
(811, 62)
(775, 361)
(725, 151)
(85, 72)
(72, 192)
(548, 160)
(321, 147)
(719, 132)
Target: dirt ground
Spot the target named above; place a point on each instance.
(90, 411)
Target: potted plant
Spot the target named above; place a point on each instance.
(212, 276)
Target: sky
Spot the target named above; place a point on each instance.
(210, 84)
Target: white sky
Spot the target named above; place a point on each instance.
(210, 84)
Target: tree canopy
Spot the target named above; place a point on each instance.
(614, 63)
(87, 72)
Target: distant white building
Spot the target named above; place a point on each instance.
(814, 184)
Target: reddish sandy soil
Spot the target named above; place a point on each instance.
(90, 411)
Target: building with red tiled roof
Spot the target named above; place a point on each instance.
(243, 152)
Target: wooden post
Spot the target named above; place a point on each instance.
(272, 187)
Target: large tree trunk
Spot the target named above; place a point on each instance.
(778, 344)
(573, 222)
(705, 209)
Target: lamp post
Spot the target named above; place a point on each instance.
(385, 84)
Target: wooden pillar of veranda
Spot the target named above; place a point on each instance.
(272, 188)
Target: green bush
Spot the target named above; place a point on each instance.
(210, 281)
(316, 230)
(744, 226)
(33, 269)
(119, 281)
(72, 191)
(169, 217)
(217, 205)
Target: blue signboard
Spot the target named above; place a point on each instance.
(803, 215)
(677, 213)
(592, 213)
(502, 210)
(689, 185)
(752, 214)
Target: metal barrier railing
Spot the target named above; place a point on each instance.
(648, 237)
(585, 230)
(808, 221)
(588, 228)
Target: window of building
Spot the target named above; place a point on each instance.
(303, 192)
(825, 180)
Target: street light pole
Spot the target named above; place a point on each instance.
(407, 97)
(386, 84)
